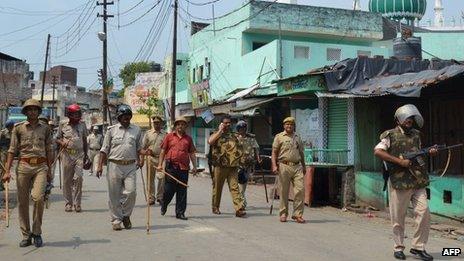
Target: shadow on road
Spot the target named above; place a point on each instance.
(156, 227)
(76, 242)
(315, 221)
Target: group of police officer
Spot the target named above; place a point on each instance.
(124, 148)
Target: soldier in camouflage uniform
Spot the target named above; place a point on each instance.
(407, 182)
(250, 157)
(226, 155)
(5, 137)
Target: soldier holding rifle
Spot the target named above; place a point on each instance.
(407, 181)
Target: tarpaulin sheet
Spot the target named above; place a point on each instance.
(372, 76)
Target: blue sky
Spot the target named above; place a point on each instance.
(25, 25)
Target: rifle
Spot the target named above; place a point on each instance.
(414, 156)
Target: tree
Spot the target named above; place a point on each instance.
(127, 74)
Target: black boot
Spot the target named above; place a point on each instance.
(421, 254)
(26, 242)
(37, 240)
(399, 255)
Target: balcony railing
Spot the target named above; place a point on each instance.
(326, 157)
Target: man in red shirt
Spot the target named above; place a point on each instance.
(178, 150)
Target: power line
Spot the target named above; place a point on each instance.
(32, 25)
(78, 40)
(132, 8)
(85, 9)
(72, 61)
(140, 17)
(218, 17)
(202, 4)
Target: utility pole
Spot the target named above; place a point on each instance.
(104, 38)
(174, 64)
(53, 98)
(45, 70)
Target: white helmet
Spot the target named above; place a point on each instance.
(407, 111)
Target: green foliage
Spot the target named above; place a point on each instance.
(127, 74)
(154, 105)
(121, 93)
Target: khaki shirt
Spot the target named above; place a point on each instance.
(95, 141)
(122, 143)
(5, 137)
(288, 147)
(75, 134)
(31, 142)
(153, 140)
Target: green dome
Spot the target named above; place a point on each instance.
(399, 9)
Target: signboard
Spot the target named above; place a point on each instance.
(307, 83)
(145, 85)
(200, 94)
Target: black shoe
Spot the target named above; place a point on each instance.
(37, 240)
(181, 217)
(163, 210)
(127, 223)
(25, 242)
(421, 254)
(399, 255)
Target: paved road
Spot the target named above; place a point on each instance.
(329, 235)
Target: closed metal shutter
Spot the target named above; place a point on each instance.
(338, 124)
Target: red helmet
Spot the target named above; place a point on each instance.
(74, 113)
(74, 108)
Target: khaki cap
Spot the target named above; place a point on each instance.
(180, 119)
(290, 120)
(157, 118)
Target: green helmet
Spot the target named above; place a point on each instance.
(32, 102)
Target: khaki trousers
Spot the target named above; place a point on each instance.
(122, 190)
(222, 174)
(94, 156)
(156, 193)
(399, 202)
(72, 179)
(294, 175)
(31, 180)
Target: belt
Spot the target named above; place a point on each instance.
(122, 162)
(71, 151)
(33, 161)
(289, 163)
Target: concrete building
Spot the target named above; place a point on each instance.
(63, 74)
(14, 77)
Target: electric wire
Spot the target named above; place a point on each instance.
(202, 4)
(140, 17)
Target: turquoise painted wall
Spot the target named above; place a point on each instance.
(368, 187)
(445, 45)
(234, 65)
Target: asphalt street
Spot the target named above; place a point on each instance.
(329, 234)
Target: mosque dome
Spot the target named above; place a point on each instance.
(399, 9)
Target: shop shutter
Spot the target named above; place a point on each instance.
(338, 124)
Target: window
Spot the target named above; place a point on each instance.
(447, 197)
(200, 73)
(194, 75)
(200, 140)
(334, 54)
(364, 53)
(178, 62)
(32, 85)
(208, 70)
(301, 52)
(257, 45)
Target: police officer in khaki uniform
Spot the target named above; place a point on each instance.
(121, 146)
(95, 141)
(72, 138)
(32, 140)
(5, 138)
(288, 161)
(152, 144)
(226, 155)
(407, 182)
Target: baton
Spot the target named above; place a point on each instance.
(171, 176)
(273, 194)
(7, 206)
(149, 193)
